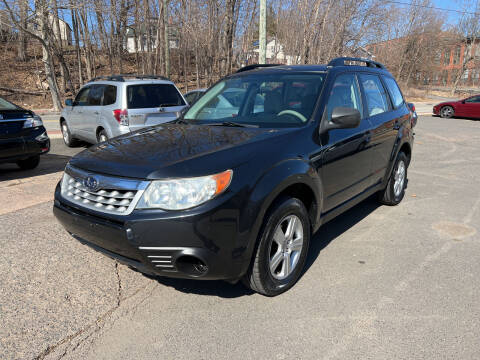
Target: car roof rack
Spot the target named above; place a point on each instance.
(122, 77)
(340, 61)
(255, 66)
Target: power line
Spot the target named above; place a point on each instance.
(433, 7)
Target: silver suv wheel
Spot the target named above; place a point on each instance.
(286, 247)
(65, 134)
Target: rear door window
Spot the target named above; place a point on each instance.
(95, 95)
(109, 95)
(377, 101)
(153, 96)
(395, 92)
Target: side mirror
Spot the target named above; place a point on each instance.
(343, 118)
(68, 102)
(463, 101)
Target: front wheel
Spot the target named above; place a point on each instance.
(282, 249)
(395, 190)
(30, 163)
(446, 112)
(68, 139)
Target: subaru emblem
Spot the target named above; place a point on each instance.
(91, 183)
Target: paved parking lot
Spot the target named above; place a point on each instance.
(381, 282)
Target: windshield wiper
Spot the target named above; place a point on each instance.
(233, 124)
(167, 105)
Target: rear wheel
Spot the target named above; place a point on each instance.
(282, 249)
(395, 190)
(446, 112)
(102, 136)
(30, 163)
(67, 136)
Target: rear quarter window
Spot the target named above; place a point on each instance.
(394, 90)
(153, 95)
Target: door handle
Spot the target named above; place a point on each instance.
(96, 112)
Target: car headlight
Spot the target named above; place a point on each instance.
(181, 194)
(33, 122)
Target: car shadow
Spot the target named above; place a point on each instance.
(326, 234)
(336, 227)
(49, 163)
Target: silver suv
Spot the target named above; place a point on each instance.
(110, 106)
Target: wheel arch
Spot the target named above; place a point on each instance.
(299, 180)
(98, 130)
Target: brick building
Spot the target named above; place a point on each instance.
(443, 61)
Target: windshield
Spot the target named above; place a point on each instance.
(153, 95)
(271, 100)
(5, 105)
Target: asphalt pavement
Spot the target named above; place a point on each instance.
(381, 282)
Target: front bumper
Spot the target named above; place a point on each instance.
(36, 142)
(203, 245)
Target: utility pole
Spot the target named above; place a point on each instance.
(262, 29)
(167, 41)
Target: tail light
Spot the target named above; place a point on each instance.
(121, 116)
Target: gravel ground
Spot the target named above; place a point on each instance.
(381, 282)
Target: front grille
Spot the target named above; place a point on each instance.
(111, 194)
(11, 127)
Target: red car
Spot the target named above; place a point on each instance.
(469, 108)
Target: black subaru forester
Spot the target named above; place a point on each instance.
(236, 187)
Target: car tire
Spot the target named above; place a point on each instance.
(102, 136)
(280, 253)
(395, 190)
(30, 163)
(447, 112)
(68, 139)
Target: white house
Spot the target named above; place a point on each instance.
(142, 38)
(275, 53)
(65, 30)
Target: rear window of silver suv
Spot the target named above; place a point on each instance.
(153, 95)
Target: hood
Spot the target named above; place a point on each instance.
(173, 150)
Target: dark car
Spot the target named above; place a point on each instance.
(467, 108)
(22, 136)
(236, 193)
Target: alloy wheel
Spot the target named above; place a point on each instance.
(447, 111)
(286, 247)
(65, 133)
(399, 178)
